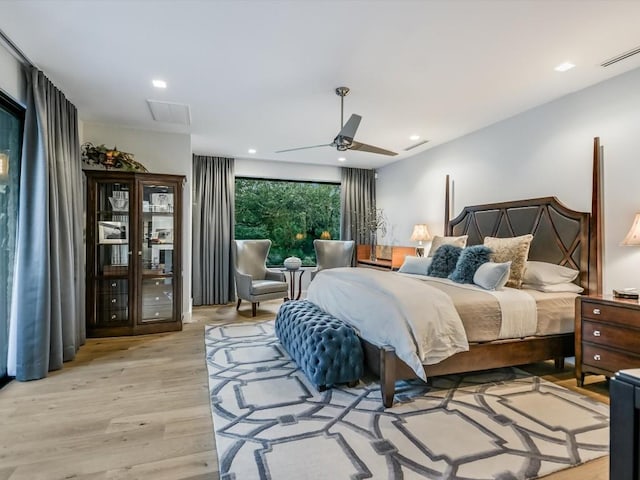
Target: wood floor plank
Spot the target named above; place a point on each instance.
(138, 408)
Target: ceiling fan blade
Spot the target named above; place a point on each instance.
(303, 148)
(363, 147)
(349, 129)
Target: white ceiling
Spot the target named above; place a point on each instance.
(261, 74)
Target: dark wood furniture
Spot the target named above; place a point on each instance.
(561, 235)
(134, 271)
(624, 435)
(607, 335)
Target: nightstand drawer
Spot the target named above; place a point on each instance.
(610, 335)
(609, 360)
(610, 313)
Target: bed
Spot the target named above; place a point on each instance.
(560, 235)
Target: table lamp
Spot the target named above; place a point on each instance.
(420, 234)
(633, 237)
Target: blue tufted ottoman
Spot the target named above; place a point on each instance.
(326, 349)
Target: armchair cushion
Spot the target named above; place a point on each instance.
(262, 287)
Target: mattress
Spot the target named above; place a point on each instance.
(480, 312)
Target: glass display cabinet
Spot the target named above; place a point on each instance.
(134, 272)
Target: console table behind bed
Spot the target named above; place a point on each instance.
(560, 235)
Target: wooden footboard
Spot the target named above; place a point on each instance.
(483, 356)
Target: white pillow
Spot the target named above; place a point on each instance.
(438, 241)
(556, 287)
(543, 273)
(415, 265)
(492, 276)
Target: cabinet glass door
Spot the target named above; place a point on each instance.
(113, 253)
(157, 252)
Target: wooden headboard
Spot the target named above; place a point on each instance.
(560, 235)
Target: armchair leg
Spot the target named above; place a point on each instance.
(253, 309)
(238, 305)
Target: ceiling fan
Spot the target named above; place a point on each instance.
(345, 138)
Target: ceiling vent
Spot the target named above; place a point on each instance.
(170, 112)
(415, 145)
(620, 57)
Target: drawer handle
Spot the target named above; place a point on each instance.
(114, 284)
(113, 317)
(113, 300)
(596, 311)
(596, 356)
(596, 333)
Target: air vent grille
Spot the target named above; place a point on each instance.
(170, 112)
(620, 57)
(415, 145)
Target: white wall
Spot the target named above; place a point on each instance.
(11, 78)
(159, 152)
(256, 168)
(542, 152)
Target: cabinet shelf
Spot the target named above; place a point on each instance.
(133, 255)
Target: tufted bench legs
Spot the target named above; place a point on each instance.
(326, 349)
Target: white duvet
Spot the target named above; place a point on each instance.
(418, 320)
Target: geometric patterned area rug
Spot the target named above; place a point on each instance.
(271, 423)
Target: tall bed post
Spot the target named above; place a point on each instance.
(447, 208)
(595, 235)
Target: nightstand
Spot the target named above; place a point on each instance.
(607, 335)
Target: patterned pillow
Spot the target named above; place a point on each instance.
(468, 262)
(438, 241)
(444, 261)
(513, 249)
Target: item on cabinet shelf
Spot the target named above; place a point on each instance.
(292, 263)
(162, 202)
(112, 232)
(629, 293)
(109, 158)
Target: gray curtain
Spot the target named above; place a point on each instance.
(47, 314)
(213, 227)
(357, 200)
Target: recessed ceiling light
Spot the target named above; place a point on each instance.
(342, 159)
(252, 150)
(414, 137)
(160, 84)
(563, 67)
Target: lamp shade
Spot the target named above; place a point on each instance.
(420, 233)
(633, 237)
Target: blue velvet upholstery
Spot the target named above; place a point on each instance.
(326, 349)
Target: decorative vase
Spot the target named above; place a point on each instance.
(373, 255)
(292, 263)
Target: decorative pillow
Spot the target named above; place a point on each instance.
(437, 242)
(492, 276)
(444, 261)
(415, 265)
(513, 249)
(556, 287)
(543, 273)
(468, 262)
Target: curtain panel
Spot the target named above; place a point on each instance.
(47, 309)
(213, 230)
(357, 200)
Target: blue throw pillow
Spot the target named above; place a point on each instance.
(492, 276)
(468, 262)
(444, 261)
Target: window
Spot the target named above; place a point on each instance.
(11, 124)
(290, 214)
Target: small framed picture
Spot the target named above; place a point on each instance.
(113, 232)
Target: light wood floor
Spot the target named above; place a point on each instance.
(138, 408)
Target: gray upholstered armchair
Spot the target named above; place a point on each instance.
(254, 281)
(332, 254)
